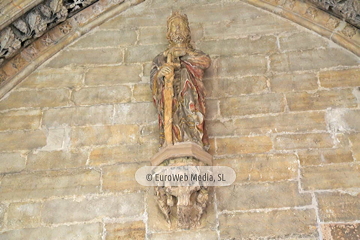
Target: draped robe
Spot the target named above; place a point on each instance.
(188, 103)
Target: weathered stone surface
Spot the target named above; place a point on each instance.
(56, 140)
(286, 122)
(343, 120)
(22, 140)
(308, 140)
(2, 214)
(113, 75)
(149, 134)
(121, 177)
(273, 224)
(312, 59)
(152, 35)
(128, 113)
(338, 231)
(301, 41)
(56, 160)
(212, 108)
(340, 78)
(112, 206)
(78, 116)
(126, 231)
(242, 145)
(53, 78)
(261, 167)
(338, 207)
(252, 104)
(293, 82)
(303, 101)
(261, 45)
(102, 95)
(39, 185)
(235, 87)
(190, 234)
(22, 119)
(33, 99)
(11, 162)
(324, 156)
(335, 176)
(100, 39)
(77, 231)
(355, 141)
(220, 128)
(263, 195)
(104, 135)
(143, 53)
(87, 56)
(265, 24)
(24, 215)
(142, 93)
(123, 153)
(241, 66)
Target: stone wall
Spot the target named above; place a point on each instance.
(283, 110)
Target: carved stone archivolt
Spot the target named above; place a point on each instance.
(179, 96)
(35, 23)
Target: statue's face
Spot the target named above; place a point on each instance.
(178, 31)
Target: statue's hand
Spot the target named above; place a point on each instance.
(167, 71)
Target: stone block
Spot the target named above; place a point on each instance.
(103, 39)
(34, 98)
(293, 82)
(56, 139)
(301, 41)
(130, 20)
(190, 234)
(125, 231)
(228, 47)
(243, 145)
(217, 88)
(252, 104)
(339, 231)
(270, 224)
(220, 128)
(343, 120)
(91, 208)
(284, 122)
(340, 78)
(11, 162)
(39, 185)
(113, 75)
(142, 93)
(56, 160)
(104, 135)
(22, 140)
(324, 156)
(334, 176)
(24, 215)
(312, 59)
(53, 78)
(121, 177)
(22, 119)
(152, 35)
(265, 24)
(261, 196)
(149, 134)
(338, 207)
(299, 141)
(241, 66)
(212, 108)
(78, 116)
(2, 215)
(303, 101)
(125, 153)
(138, 54)
(81, 57)
(77, 231)
(128, 113)
(355, 142)
(261, 167)
(102, 95)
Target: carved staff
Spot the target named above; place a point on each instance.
(168, 96)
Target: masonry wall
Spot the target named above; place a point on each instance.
(283, 112)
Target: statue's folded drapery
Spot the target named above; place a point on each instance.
(188, 111)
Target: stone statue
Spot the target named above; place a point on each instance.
(177, 87)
